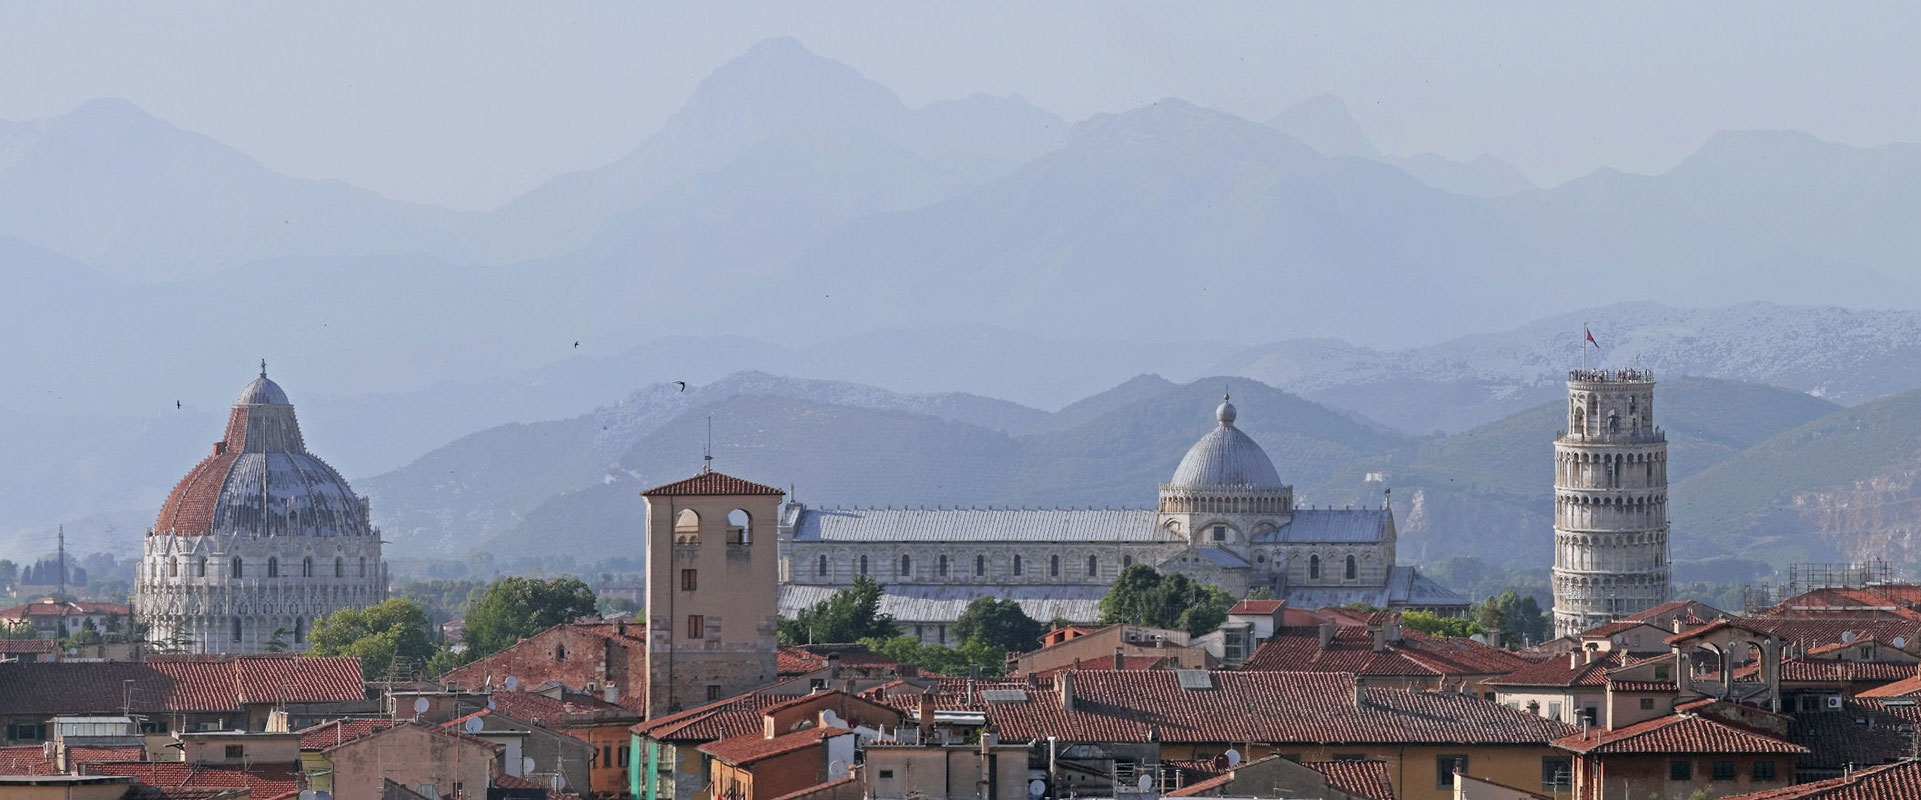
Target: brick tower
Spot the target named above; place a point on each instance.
(1610, 501)
(711, 590)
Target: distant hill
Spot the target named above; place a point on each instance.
(1846, 486)
(835, 453)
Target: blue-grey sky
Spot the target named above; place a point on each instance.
(467, 104)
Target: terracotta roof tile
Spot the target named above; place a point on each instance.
(1906, 687)
(1678, 734)
(52, 608)
(342, 731)
(1121, 706)
(169, 683)
(575, 709)
(1891, 782)
(744, 750)
(1557, 672)
(25, 760)
(710, 483)
(17, 646)
(90, 755)
(1826, 671)
(1257, 606)
(815, 789)
(1352, 651)
(1363, 778)
(1858, 734)
(264, 780)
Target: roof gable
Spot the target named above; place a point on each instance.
(710, 484)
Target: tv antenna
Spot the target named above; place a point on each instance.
(707, 455)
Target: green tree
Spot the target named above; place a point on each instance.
(276, 641)
(390, 638)
(1000, 624)
(1262, 593)
(941, 660)
(850, 615)
(9, 573)
(1142, 596)
(88, 634)
(1489, 616)
(1434, 624)
(514, 608)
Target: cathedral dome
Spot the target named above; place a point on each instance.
(1226, 457)
(260, 480)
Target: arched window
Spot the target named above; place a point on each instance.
(200, 568)
(1017, 563)
(306, 567)
(942, 565)
(1314, 567)
(273, 566)
(687, 527)
(239, 571)
(863, 565)
(1351, 571)
(820, 566)
(1054, 566)
(560, 652)
(173, 567)
(363, 566)
(299, 629)
(236, 629)
(980, 565)
(906, 566)
(1127, 561)
(1093, 566)
(740, 527)
(340, 567)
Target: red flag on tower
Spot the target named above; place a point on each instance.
(1590, 337)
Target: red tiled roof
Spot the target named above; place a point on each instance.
(16, 646)
(1120, 706)
(1888, 782)
(1363, 778)
(1685, 733)
(342, 731)
(1666, 608)
(89, 755)
(1556, 672)
(733, 716)
(505, 781)
(1814, 632)
(264, 780)
(143, 791)
(1257, 606)
(1127, 663)
(744, 750)
(1352, 650)
(1824, 670)
(431, 729)
(802, 659)
(815, 789)
(710, 483)
(576, 709)
(176, 683)
(1906, 687)
(1609, 629)
(53, 608)
(189, 509)
(29, 759)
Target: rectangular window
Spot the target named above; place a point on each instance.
(26, 731)
(1554, 711)
(1557, 773)
(606, 755)
(1444, 769)
(1660, 672)
(1764, 771)
(1350, 756)
(689, 580)
(696, 626)
(1680, 770)
(236, 751)
(1647, 704)
(713, 691)
(887, 774)
(1724, 770)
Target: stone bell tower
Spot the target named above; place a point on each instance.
(1610, 501)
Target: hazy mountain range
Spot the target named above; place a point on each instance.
(965, 277)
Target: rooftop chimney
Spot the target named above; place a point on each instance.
(1573, 659)
(1327, 633)
(1380, 637)
(1033, 680)
(833, 666)
(1360, 694)
(1120, 660)
(1590, 652)
(926, 715)
(1065, 681)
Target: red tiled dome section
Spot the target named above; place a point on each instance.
(710, 483)
(189, 509)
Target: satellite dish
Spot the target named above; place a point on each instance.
(1036, 788)
(527, 764)
(1900, 641)
(1847, 636)
(421, 705)
(491, 706)
(1233, 757)
(831, 719)
(511, 682)
(474, 725)
(1145, 783)
(836, 767)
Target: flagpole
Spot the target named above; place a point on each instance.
(1584, 335)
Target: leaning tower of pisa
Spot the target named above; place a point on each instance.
(1610, 501)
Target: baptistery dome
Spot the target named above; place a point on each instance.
(261, 481)
(1226, 458)
(258, 542)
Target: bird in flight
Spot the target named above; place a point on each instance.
(176, 404)
(682, 385)
(576, 344)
